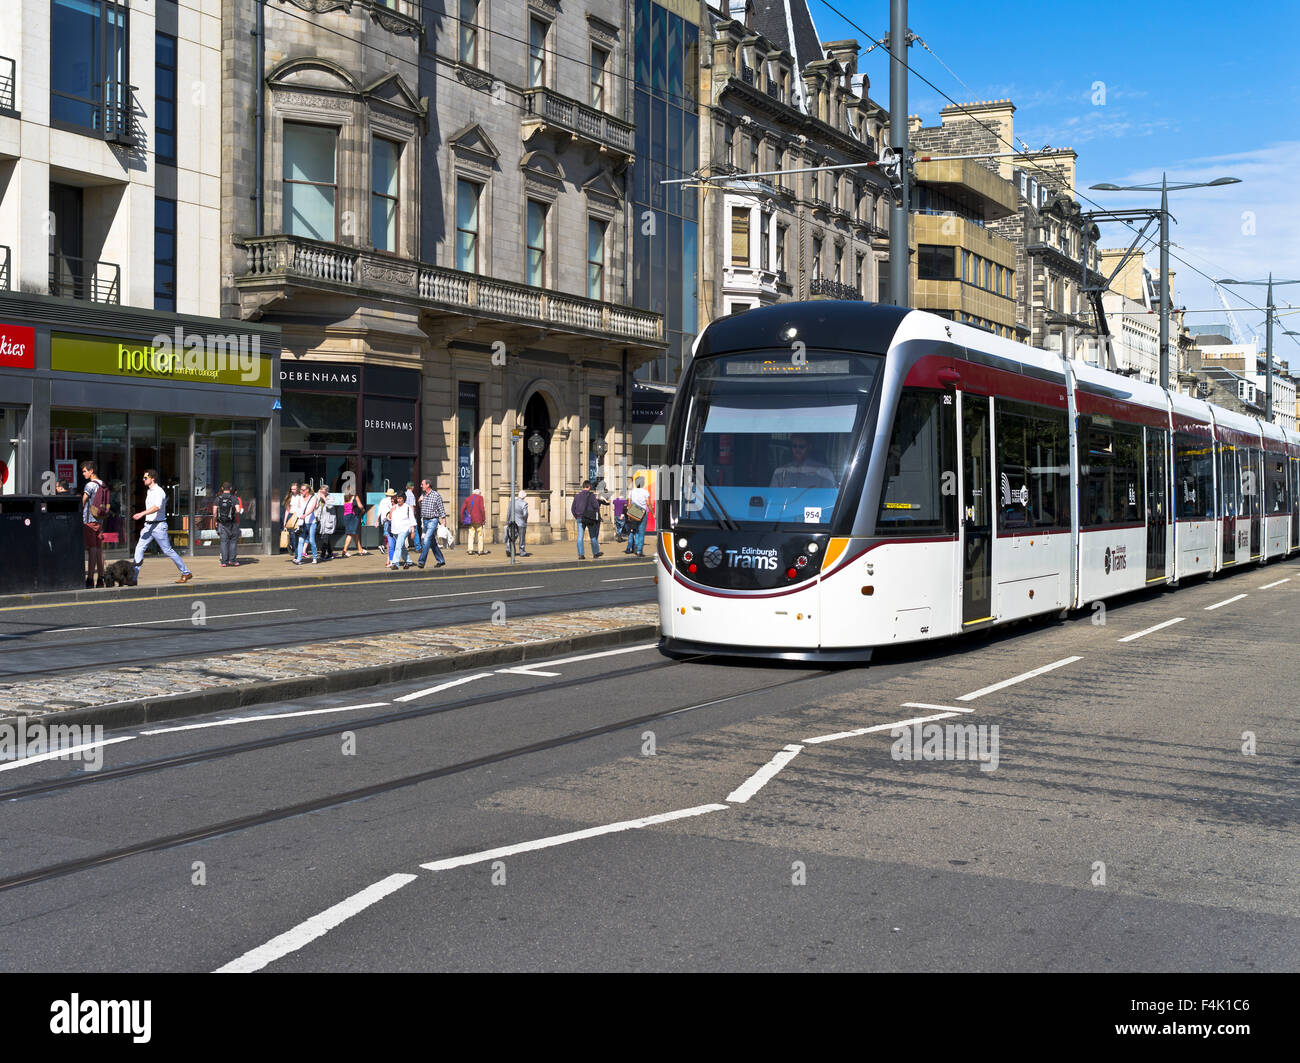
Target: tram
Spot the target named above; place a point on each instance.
(852, 475)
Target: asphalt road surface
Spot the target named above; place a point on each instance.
(1136, 809)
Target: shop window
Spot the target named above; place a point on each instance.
(310, 181)
(315, 422)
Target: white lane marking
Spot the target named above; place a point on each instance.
(1018, 679)
(259, 719)
(177, 620)
(624, 579)
(307, 932)
(55, 754)
(524, 670)
(941, 708)
(604, 653)
(881, 727)
(1226, 601)
(764, 775)
(1275, 583)
(1158, 627)
(462, 594)
(564, 839)
(443, 686)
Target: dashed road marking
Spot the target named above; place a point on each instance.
(56, 754)
(564, 839)
(1018, 679)
(177, 620)
(881, 727)
(462, 594)
(1158, 627)
(525, 670)
(307, 932)
(1226, 601)
(443, 686)
(764, 775)
(942, 708)
(259, 719)
(1275, 583)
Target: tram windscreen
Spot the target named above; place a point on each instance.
(771, 440)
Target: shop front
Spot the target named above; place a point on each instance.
(130, 390)
(351, 426)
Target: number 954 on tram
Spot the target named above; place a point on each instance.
(858, 475)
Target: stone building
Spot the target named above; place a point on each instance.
(441, 231)
(780, 103)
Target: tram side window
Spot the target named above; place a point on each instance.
(1033, 467)
(1194, 475)
(1110, 473)
(920, 484)
(1229, 481)
(1275, 493)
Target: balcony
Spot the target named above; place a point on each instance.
(746, 74)
(5, 257)
(403, 17)
(548, 111)
(80, 278)
(8, 77)
(277, 262)
(110, 112)
(829, 289)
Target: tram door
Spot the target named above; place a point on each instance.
(1157, 504)
(1253, 495)
(1229, 485)
(1294, 466)
(977, 509)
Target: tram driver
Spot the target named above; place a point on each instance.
(802, 470)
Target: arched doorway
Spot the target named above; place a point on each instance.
(537, 467)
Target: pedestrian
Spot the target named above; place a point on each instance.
(517, 526)
(401, 522)
(327, 523)
(586, 516)
(383, 513)
(473, 514)
(307, 529)
(432, 510)
(226, 511)
(293, 518)
(61, 487)
(94, 508)
(354, 519)
(638, 504)
(620, 518)
(154, 516)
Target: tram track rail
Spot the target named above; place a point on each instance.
(159, 844)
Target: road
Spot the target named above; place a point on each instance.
(1135, 810)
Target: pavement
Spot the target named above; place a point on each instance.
(173, 688)
(259, 571)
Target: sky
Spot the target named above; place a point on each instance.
(1193, 88)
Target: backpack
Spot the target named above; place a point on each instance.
(593, 508)
(99, 503)
(226, 505)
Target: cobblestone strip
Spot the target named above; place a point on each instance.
(194, 675)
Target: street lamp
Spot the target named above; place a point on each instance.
(1268, 335)
(1164, 188)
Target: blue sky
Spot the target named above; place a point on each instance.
(1197, 88)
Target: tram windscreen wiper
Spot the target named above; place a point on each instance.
(724, 520)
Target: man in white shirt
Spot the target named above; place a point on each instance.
(638, 496)
(155, 527)
(382, 513)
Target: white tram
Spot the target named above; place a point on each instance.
(861, 475)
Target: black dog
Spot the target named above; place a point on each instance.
(120, 574)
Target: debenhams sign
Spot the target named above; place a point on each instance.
(320, 377)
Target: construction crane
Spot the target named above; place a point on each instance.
(1238, 333)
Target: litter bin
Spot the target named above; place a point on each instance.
(41, 543)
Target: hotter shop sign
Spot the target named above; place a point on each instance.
(200, 358)
(17, 347)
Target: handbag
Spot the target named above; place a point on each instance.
(291, 522)
(284, 539)
(634, 513)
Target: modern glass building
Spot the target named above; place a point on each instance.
(665, 241)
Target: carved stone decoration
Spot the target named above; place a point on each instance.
(305, 99)
(475, 79)
(319, 7)
(393, 22)
(550, 8)
(394, 275)
(602, 31)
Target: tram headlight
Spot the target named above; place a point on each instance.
(812, 548)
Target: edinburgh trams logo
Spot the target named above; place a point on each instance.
(712, 557)
(1116, 558)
